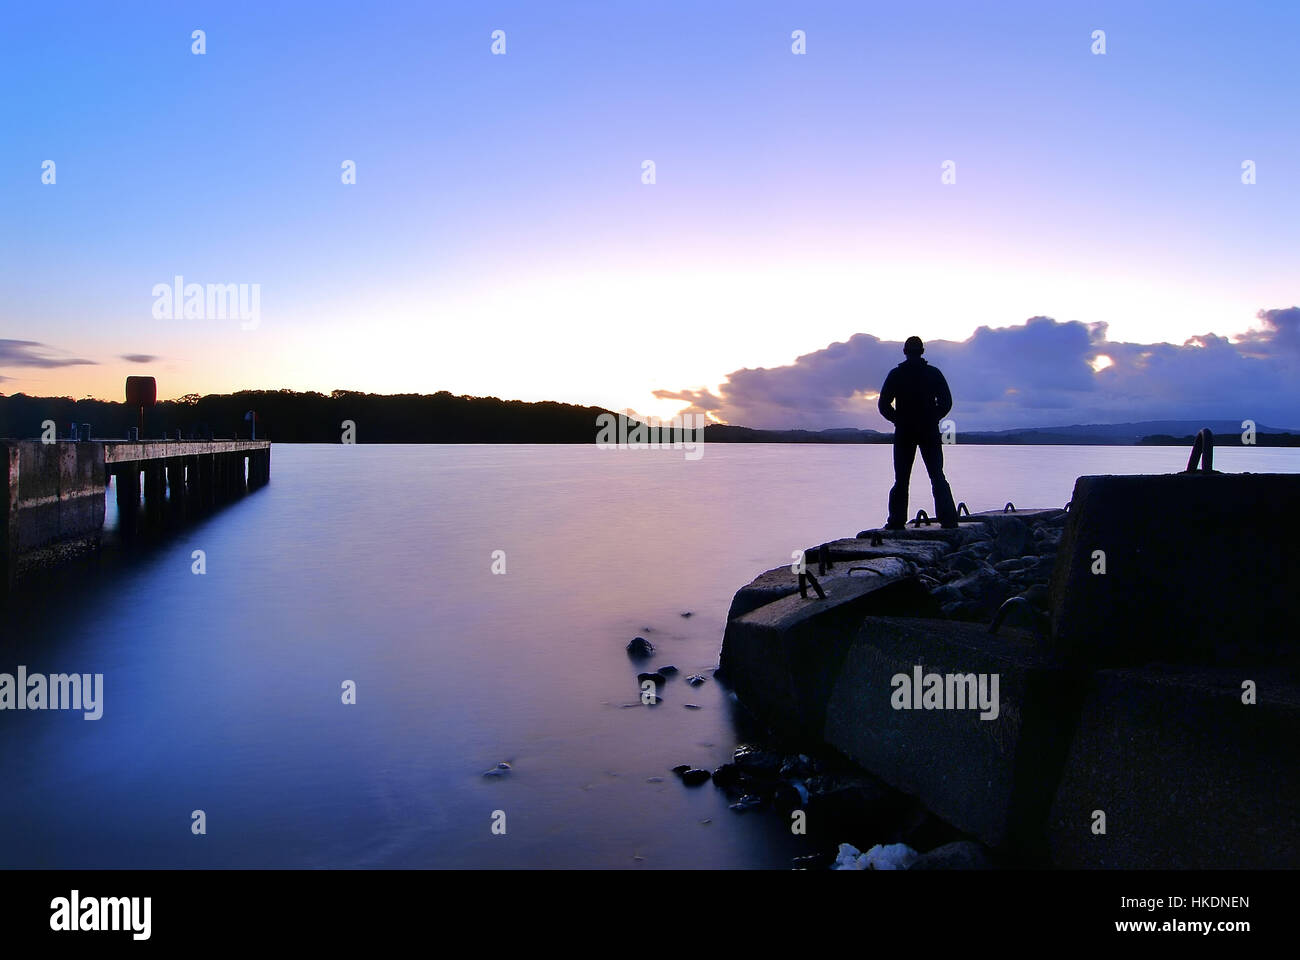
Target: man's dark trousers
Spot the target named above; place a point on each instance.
(905, 446)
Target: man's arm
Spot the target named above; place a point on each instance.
(942, 395)
(887, 398)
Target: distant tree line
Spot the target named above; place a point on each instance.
(1224, 440)
(289, 416)
(311, 417)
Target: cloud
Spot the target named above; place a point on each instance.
(1039, 373)
(139, 357)
(29, 353)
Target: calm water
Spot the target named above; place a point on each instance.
(373, 564)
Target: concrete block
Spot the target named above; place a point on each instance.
(994, 777)
(1199, 568)
(782, 658)
(772, 585)
(1187, 775)
(923, 552)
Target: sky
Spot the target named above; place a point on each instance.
(1096, 257)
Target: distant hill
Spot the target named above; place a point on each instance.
(1119, 433)
(1109, 434)
(289, 416)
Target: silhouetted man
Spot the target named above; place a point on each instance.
(914, 399)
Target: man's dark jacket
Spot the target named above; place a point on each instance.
(920, 396)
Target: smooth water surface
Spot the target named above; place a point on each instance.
(374, 564)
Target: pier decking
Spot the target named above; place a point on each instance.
(52, 502)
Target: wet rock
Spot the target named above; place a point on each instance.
(789, 797)
(946, 594)
(975, 583)
(640, 647)
(1048, 537)
(958, 855)
(964, 562)
(500, 770)
(758, 763)
(654, 779)
(688, 613)
(681, 768)
(1015, 563)
(658, 679)
(694, 777)
(692, 706)
(667, 670)
(746, 803)
(726, 776)
(696, 679)
(1013, 538)
(796, 767)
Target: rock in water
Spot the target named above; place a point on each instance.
(640, 647)
(695, 777)
(758, 763)
(658, 679)
(667, 671)
(695, 679)
(727, 775)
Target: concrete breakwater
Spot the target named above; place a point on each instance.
(52, 495)
(1136, 705)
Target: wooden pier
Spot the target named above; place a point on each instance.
(52, 502)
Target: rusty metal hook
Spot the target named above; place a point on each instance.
(806, 578)
(1202, 450)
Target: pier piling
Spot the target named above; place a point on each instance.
(52, 495)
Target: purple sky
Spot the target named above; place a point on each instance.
(500, 238)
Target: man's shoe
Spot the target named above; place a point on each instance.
(949, 526)
(895, 526)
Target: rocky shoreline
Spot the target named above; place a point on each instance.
(854, 819)
(1100, 686)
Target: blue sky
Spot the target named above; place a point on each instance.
(499, 239)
